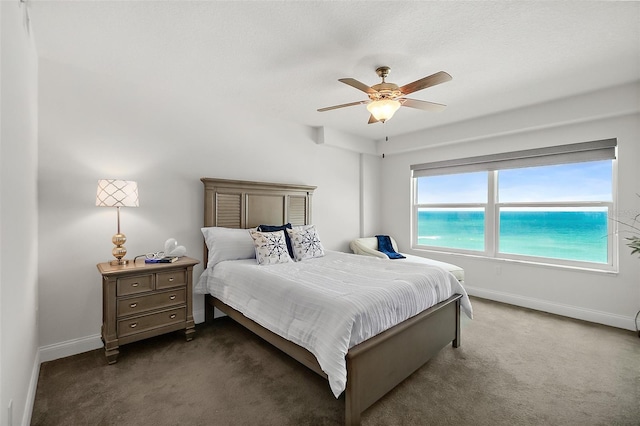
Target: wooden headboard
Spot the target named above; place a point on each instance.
(245, 204)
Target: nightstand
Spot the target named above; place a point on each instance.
(141, 300)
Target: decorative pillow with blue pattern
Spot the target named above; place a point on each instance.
(270, 247)
(305, 242)
(273, 228)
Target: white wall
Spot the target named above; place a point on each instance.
(611, 299)
(19, 362)
(93, 127)
(371, 180)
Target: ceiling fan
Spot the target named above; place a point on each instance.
(385, 98)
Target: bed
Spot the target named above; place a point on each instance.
(374, 365)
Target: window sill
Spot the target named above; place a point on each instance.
(605, 270)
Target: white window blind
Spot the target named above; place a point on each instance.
(572, 153)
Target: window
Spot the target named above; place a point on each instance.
(451, 210)
(550, 205)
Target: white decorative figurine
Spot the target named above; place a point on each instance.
(171, 248)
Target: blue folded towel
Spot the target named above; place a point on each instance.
(385, 246)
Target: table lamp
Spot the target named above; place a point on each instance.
(117, 193)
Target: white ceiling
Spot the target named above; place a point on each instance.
(286, 57)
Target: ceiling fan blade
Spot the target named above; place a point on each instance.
(343, 105)
(372, 119)
(423, 83)
(423, 105)
(358, 85)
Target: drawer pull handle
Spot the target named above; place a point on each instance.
(172, 297)
(134, 325)
(171, 279)
(133, 305)
(172, 316)
(135, 284)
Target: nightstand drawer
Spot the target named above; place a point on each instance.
(150, 302)
(171, 279)
(151, 321)
(135, 284)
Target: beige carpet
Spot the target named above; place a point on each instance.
(515, 367)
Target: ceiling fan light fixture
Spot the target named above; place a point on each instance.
(383, 109)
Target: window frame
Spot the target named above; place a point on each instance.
(492, 219)
(416, 208)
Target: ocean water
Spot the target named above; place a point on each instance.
(570, 235)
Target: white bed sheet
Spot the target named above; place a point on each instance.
(331, 303)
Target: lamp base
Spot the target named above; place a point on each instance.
(119, 251)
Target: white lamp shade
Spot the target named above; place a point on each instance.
(117, 193)
(383, 109)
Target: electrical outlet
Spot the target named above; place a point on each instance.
(10, 413)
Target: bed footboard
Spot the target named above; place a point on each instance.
(377, 365)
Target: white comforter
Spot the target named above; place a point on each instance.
(331, 303)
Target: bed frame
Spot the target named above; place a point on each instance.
(375, 366)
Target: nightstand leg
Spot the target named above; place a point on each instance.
(189, 333)
(112, 355)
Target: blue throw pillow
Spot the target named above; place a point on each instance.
(275, 228)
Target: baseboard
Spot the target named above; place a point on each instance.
(70, 347)
(599, 317)
(85, 344)
(31, 392)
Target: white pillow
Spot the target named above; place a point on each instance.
(270, 247)
(227, 244)
(305, 242)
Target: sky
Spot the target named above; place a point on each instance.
(590, 181)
